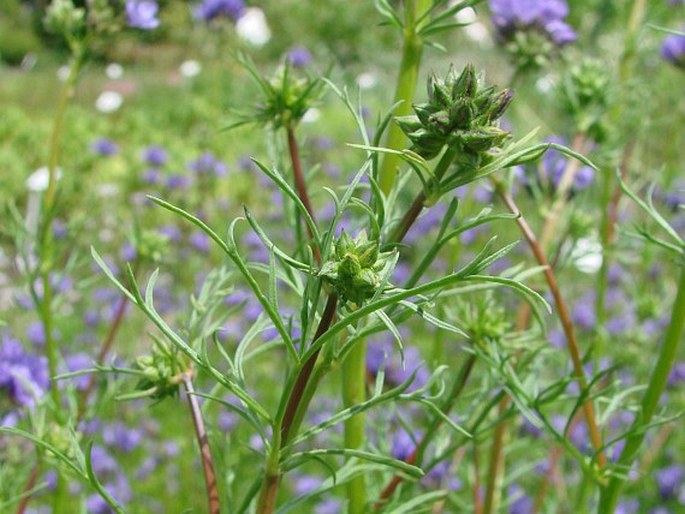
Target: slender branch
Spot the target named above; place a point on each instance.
(306, 371)
(301, 186)
(102, 354)
(564, 317)
(28, 487)
(475, 490)
(496, 464)
(203, 442)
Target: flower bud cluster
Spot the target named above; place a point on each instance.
(459, 112)
(356, 270)
(162, 373)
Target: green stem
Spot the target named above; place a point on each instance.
(420, 201)
(650, 401)
(354, 393)
(46, 252)
(405, 89)
(46, 249)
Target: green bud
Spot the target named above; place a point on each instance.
(356, 271)
(466, 84)
(62, 17)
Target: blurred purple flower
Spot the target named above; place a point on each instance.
(554, 165)
(151, 176)
(104, 147)
(673, 50)
(121, 437)
(227, 420)
(210, 9)
(669, 479)
(155, 155)
(207, 162)
(77, 362)
(677, 374)
(142, 14)
(402, 444)
(584, 315)
(171, 232)
(510, 16)
(329, 506)
(441, 476)
(178, 181)
(299, 57)
(627, 507)
(200, 241)
(305, 484)
(522, 504)
(23, 376)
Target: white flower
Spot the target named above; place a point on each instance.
(475, 30)
(114, 71)
(587, 255)
(38, 180)
(311, 115)
(366, 80)
(190, 69)
(252, 27)
(108, 101)
(544, 84)
(63, 73)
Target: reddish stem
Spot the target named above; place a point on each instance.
(205, 450)
(564, 317)
(301, 186)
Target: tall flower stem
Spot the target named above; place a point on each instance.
(354, 393)
(203, 442)
(47, 255)
(657, 383)
(412, 49)
(564, 317)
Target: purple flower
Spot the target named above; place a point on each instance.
(673, 50)
(227, 420)
(584, 315)
(200, 241)
(441, 475)
(511, 16)
(677, 374)
(121, 437)
(522, 503)
(142, 14)
(306, 484)
(210, 9)
(555, 164)
(151, 176)
(299, 57)
(402, 444)
(329, 506)
(206, 163)
(104, 147)
(669, 480)
(23, 377)
(77, 362)
(627, 507)
(155, 155)
(178, 181)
